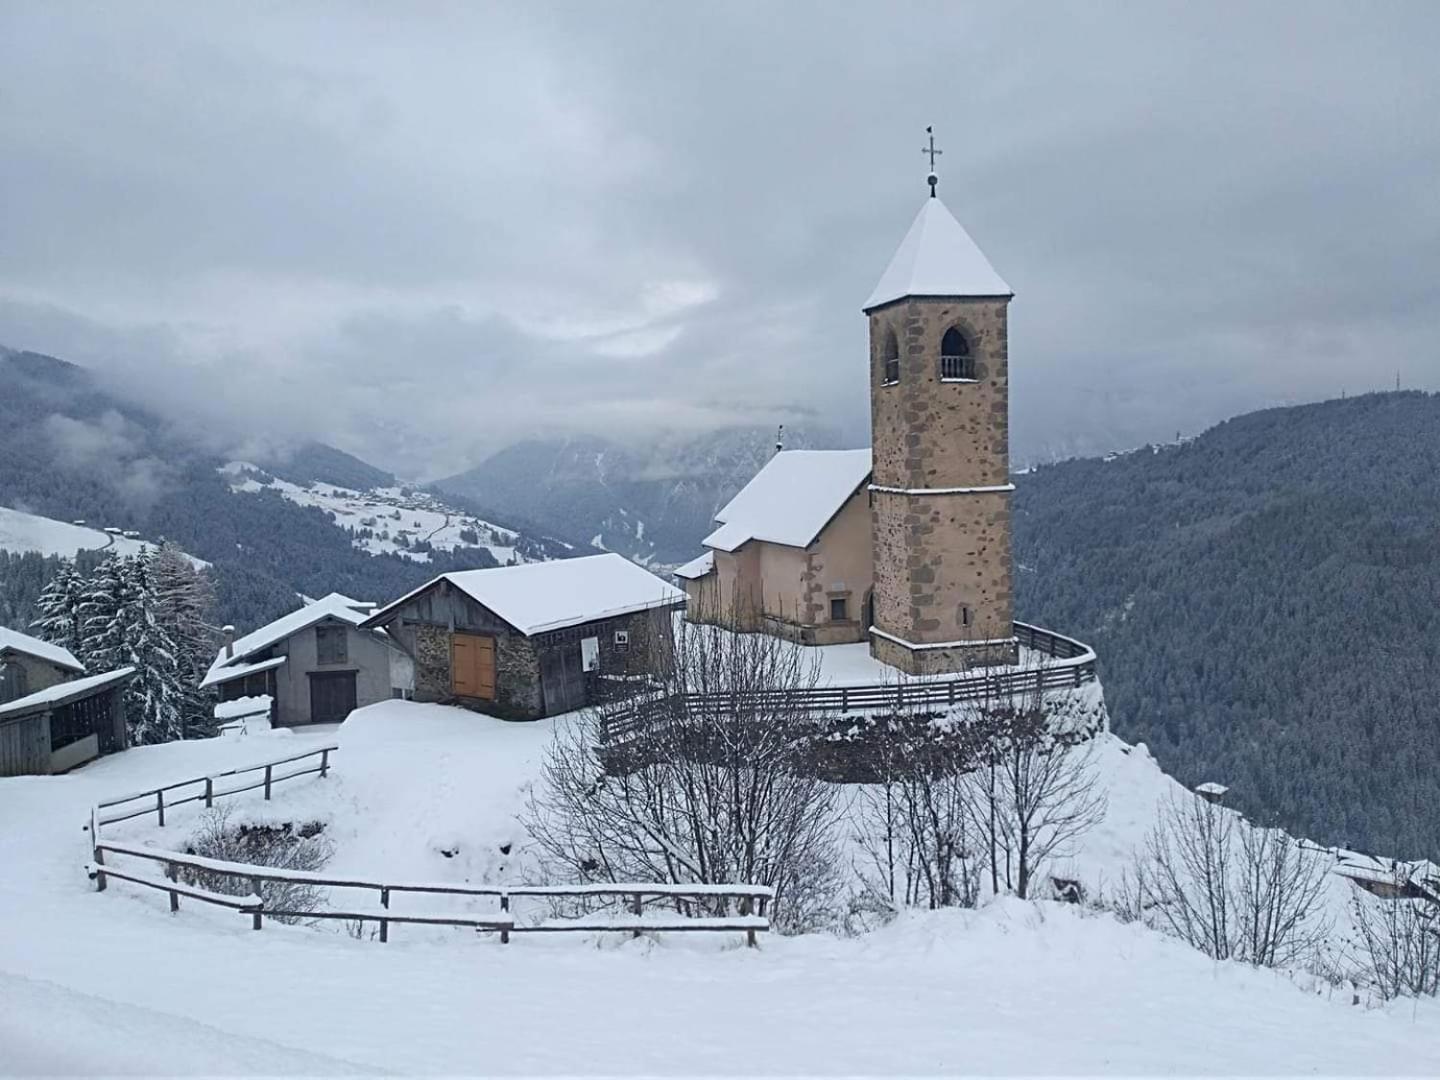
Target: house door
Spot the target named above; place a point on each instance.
(472, 666)
(562, 678)
(332, 696)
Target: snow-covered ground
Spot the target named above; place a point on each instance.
(113, 983)
(396, 518)
(20, 531)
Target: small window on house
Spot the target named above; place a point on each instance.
(13, 681)
(955, 359)
(964, 616)
(839, 609)
(330, 645)
(622, 639)
(890, 359)
(589, 653)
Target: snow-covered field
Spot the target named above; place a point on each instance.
(20, 531)
(113, 983)
(397, 519)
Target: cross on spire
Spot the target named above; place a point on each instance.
(932, 179)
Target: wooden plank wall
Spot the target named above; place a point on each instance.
(25, 746)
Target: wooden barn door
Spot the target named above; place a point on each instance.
(332, 696)
(562, 677)
(472, 666)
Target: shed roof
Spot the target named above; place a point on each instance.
(791, 499)
(64, 693)
(535, 597)
(43, 650)
(224, 673)
(697, 567)
(937, 258)
(333, 606)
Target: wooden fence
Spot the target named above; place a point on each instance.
(1069, 663)
(751, 900)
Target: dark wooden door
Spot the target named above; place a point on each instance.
(472, 666)
(332, 696)
(562, 678)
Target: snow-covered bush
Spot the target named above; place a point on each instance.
(1397, 947)
(282, 847)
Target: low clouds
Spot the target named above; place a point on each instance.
(111, 449)
(420, 235)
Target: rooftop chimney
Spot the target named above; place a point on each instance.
(229, 632)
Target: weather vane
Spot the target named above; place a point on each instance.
(932, 179)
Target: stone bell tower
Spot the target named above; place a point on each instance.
(940, 490)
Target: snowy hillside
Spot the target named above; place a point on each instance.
(20, 532)
(388, 520)
(431, 793)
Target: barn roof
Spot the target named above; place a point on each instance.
(791, 499)
(15, 641)
(535, 597)
(333, 606)
(937, 258)
(64, 693)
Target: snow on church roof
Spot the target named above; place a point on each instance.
(43, 650)
(791, 499)
(937, 258)
(535, 597)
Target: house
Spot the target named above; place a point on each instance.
(28, 664)
(53, 716)
(792, 553)
(316, 664)
(928, 579)
(532, 640)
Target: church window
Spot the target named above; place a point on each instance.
(891, 359)
(839, 609)
(964, 616)
(955, 359)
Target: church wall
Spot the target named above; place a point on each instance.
(840, 563)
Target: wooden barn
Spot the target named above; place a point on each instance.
(64, 725)
(28, 664)
(533, 640)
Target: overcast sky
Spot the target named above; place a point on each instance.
(422, 231)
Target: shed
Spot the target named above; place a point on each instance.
(28, 664)
(316, 664)
(64, 725)
(537, 639)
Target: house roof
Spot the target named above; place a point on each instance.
(333, 606)
(535, 597)
(697, 567)
(43, 650)
(224, 673)
(791, 499)
(64, 693)
(937, 258)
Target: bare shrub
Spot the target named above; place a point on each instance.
(714, 795)
(1229, 888)
(1398, 944)
(276, 847)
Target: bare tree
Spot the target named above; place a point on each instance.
(1398, 944)
(1229, 888)
(716, 789)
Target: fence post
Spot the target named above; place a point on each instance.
(255, 888)
(1077, 673)
(951, 686)
(255, 917)
(98, 854)
(209, 793)
(844, 699)
(324, 762)
(172, 872)
(160, 806)
(267, 780)
(504, 910)
(384, 930)
(638, 907)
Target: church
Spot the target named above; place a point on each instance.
(906, 545)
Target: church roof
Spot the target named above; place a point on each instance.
(791, 499)
(937, 258)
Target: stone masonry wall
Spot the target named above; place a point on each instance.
(937, 555)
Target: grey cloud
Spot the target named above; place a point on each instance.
(421, 234)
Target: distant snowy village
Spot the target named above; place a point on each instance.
(815, 800)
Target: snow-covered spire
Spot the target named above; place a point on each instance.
(937, 258)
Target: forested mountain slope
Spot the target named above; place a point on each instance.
(1265, 600)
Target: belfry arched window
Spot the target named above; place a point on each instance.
(955, 359)
(890, 359)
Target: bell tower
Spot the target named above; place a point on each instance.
(939, 417)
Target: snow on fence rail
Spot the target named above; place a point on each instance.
(1070, 663)
(751, 900)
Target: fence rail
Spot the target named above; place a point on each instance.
(1069, 663)
(751, 900)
